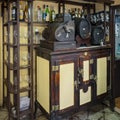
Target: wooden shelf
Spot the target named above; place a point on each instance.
(14, 67)
(7, 102)
(80, 1)
(15, 45)
(43, 24)
(13, 88)
(22, 113)
(89, 1)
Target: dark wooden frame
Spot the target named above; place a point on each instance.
(14, 88)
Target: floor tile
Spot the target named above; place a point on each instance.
(98, 112)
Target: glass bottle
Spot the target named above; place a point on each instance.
(79, 13)
(73, 13)
(37, 36)
(53, 15)
(21, 14)
(14, 11)
(26, 12)
(76, 12)
(39, 14)
(82, 14)
(67, 15)
(47, 13)
(44, 14)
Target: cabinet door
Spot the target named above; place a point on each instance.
(94, 75)
(63, 78)
(101, 75)
(43, 91)
(103, 79)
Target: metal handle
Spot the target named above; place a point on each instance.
(80, 71)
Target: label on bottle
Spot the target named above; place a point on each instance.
(13, 14)
(13, 11)
(53, 16)
(39, 16)
(44, 16)
(47, 17)
(26, 16)
(26, 12)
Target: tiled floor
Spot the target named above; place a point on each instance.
(98, 112)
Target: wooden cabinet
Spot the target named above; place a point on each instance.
(71, 80)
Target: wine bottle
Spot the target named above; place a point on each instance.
(43, 14)
(26, 12)
(14, 11)
(21, 15)
(39, 14)
(53, 15)
(47, 13)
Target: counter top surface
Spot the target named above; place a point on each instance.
(78, 49)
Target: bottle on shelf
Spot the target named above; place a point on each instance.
(82, 13)
(14, 11)
(52, 14)
(26, 12)
(37, 36)
(47, 11)
(43, 14)
(21, 14)
(67, 15)
(39, 14)
(79, 13)
(76, 12)
(72, 13)
(34, 14)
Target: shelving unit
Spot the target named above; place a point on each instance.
(18, 62)
(115, 33)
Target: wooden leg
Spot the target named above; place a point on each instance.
(36, 107)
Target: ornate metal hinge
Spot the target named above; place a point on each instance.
(76, 83)
(91, 76)
(55, 68)
(91, 61)
(94, 77)
(55, 107)
(108, 58)
(80, 71)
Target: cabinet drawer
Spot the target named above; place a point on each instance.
(85, 97)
